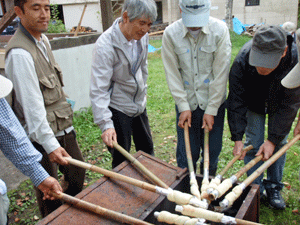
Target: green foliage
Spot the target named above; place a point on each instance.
(55, 25)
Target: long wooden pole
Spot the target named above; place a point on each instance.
(79, 24)
(172, 195)
(217, 180)
(80, 204)
(194, 188)
(227, 184)
(205, 180)
(227, 167)
(238, 190)
(111, 174)
(210, 215)
(135, 162)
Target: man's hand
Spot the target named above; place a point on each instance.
(49, 185)
(297, 128)
(57, 156)
(208, 120)
(238, 147)
(108, 136)
(185, 116)
(266, 149)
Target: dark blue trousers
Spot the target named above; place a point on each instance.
(197, 140)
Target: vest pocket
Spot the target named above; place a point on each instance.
(64, 117)
(60, 119)
(51, 89)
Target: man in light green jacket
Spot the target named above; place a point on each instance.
(196, 53)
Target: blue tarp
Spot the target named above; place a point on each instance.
(238, 27)
(152, 49)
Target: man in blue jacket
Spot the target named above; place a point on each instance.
(255, 91)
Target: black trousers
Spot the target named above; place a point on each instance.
(137, 127)
(72, 174)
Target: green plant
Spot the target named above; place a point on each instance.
(55, 24)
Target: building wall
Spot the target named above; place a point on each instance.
(73, 9)
(170, 11)
(77, 72)
(270, 12)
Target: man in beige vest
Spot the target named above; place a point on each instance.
(38, 98)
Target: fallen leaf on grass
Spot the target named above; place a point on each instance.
(172, 161)
(19, 202)
(36, 218)
(17, 219)
(288, 186)
(295, 211)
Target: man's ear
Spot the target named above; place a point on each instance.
(18, 11)
(125, 17)
(285, 51)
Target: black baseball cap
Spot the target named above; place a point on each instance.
(269, 43)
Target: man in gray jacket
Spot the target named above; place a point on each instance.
(118, 82)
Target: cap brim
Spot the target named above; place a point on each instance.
(195, 20)
(259, 59)
(5, 86)
(292, 80)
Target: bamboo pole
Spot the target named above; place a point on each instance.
(194, 188)
(217, 180)
(211, 216)
(172, 195)
(227, 184)
(171, 218)
(81, 204)
(79, 24)
(135, 162)
(238, 190)
(205, 180)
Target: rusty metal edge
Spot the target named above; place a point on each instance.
(251, 198)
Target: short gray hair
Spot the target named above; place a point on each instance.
(138, 8)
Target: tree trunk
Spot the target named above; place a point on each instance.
(228, 16)
(106, 14)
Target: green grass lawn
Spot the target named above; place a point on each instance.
(161, 111)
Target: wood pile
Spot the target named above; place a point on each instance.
(250, 30)
(157, 29)
(82, 29)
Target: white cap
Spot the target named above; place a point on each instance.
(195, 13)
(292, 80)
(5, 86)
(289, 27)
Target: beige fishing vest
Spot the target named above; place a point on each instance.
(59, 111)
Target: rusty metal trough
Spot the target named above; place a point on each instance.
(139, 203)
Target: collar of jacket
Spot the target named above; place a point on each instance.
(118, 37)
(204, 29)
(23, 29)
